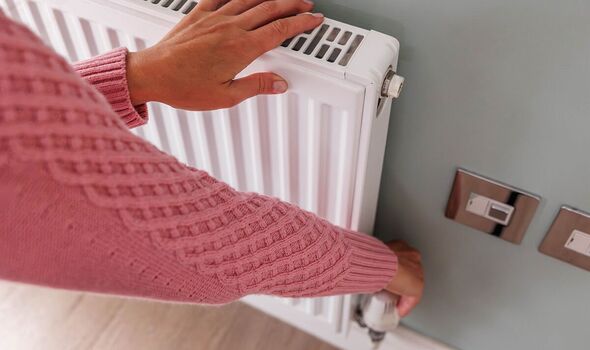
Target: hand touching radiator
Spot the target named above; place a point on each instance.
(194, 66)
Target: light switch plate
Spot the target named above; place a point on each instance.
(568, 238)
(491, 207)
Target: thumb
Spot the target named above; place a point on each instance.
(258, 84)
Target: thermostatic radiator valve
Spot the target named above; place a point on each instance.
(378, 312)
(392, 85)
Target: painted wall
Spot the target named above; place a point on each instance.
(502, 88)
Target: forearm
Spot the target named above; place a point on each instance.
(125, 207)
(68, 236)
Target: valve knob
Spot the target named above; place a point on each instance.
(393, 84)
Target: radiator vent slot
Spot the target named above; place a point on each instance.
(326, 43)
(182, 6)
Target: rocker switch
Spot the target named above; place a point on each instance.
(489, 209)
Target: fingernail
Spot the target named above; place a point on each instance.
(279, 86)
(308, 2)
(320, 15)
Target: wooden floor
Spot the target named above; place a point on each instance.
(39, 318)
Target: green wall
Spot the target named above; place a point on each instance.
(501, 88)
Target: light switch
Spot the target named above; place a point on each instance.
(579, 242)
(568, 238)
(489, 208)
(500, 213)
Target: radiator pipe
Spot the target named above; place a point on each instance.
(378, 313)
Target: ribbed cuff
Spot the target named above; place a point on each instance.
(108, 74)
(372, 265)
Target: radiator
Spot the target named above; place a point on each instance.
(319, 146)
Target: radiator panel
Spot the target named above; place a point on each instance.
(301, 146)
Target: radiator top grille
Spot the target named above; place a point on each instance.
(182, 6)
(328, 43)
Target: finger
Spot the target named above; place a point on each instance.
(210, 5)
(236, 7)
(406, 304)
(257, 84)
(269, 11)
(274, 33)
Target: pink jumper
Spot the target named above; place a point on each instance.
(86, 205)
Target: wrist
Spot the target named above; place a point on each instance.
(136, 79)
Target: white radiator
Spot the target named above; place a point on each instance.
(319, 146)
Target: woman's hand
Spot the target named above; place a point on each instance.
(408, 282)
(193, 67)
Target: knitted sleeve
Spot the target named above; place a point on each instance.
(108, 74)
(86, 205)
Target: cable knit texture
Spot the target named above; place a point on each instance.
(86, 205)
